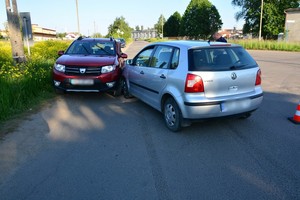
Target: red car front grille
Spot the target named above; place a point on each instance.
(82, 71)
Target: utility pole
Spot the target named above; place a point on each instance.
(261, 18)
(14, 29)
(77, 17)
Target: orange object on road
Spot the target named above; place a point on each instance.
(296, 118)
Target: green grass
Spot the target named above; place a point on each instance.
(267, 45)
(25, 86)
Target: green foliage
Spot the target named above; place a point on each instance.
(97, 35)
(119, 29)
(159, 25)
(137, 28)
(200, 20)
(273, 15)
(48, 49)
(5, 53)
(23, 86)
(172, 25)
(61, 35)
(268, 45)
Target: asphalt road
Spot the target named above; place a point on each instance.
(95, 146)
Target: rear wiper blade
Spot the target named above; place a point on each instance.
(233, 67)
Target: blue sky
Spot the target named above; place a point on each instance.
(97, 15)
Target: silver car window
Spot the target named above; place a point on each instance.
(175, 59)
(161, 57)
(143, 58)
(219, 59)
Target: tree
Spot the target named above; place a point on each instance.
(119, 28)
(273, 19)
(159, 25)
(172, 25)
(97, 35)
(200, 20)
(61, 35)
(137, 28)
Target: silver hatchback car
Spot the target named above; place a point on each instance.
(192, 80)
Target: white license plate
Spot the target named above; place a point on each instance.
(235, 105)
(82, 81)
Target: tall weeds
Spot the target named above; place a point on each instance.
(25, 85)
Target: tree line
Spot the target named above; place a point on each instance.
(201, 19)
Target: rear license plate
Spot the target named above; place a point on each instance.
(235, 105)
(82, 81)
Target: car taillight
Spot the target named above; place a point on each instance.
(258, 78)
(193, 83)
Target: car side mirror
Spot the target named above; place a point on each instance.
(129, 61)
(124, 55)
(60, 53)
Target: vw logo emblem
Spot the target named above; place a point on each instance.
(233, 76)
(82, 70)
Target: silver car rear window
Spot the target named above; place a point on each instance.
(220, 59)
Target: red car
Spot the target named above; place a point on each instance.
(89, 65)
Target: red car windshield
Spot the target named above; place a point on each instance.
(101, 48)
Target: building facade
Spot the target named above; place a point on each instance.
(144, 34)
(292, 25)
(40, 33)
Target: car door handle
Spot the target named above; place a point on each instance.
(163, 76)
(142, 72)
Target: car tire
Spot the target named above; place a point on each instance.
(126, 92)
(172, 115)
(118, 90)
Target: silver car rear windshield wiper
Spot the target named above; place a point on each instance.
(234, 67)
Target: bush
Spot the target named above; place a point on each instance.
(48, 49)
(5, 53)
(25, 85)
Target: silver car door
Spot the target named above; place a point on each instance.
(156, 75)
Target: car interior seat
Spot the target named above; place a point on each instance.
(199, 58)
(223, 59)
(163, 59)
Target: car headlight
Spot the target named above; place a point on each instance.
(60, 67)
(107, 69)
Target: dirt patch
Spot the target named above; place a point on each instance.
(11, 125)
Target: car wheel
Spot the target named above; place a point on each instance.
(126, 92)
(172, 115)
(118, 90)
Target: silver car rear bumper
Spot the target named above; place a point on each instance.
(203, 110)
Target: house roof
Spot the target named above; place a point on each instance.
(289, 10)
